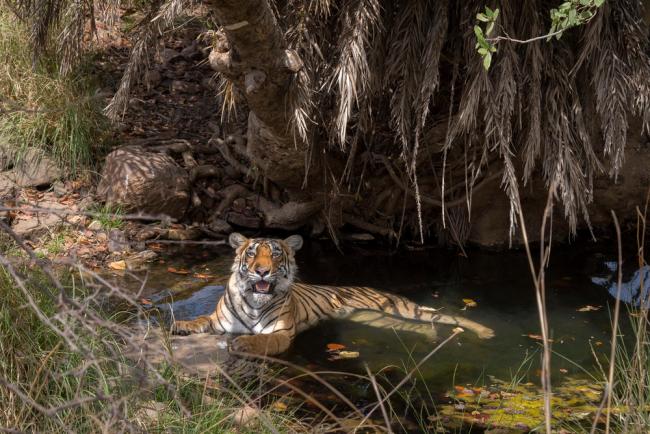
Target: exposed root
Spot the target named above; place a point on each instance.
(229, 194)
(369, 227)
(291, 215)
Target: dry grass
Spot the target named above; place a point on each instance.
(39, 107)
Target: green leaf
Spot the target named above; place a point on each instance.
(496, 14)
(585, 2)
(487, 60)
(482, 51)
(489, 11)
(489, 28)
(479, 33)
(482, 17)
(572, 17)
(599, 3)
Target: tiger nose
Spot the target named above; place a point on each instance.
(262, 271)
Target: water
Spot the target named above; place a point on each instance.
(500, 283)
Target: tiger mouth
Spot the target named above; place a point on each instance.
(262, 287)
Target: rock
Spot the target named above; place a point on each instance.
(117, 241)
(191, 52)
(134, 262)
(219, 226)
(209, 83)
(32, 169)
(146, 182)
(238, 219)
(147, 234)
(151, 411)
(34, 226)
(59, 189)
(239, 204)
(245, 415)
(192, 233)
(167, 55)
(8, 188)
(152, 78)
(95, 225)
(179, 86)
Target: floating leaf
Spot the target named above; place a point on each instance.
(469, 302)
(202, 276)
(537, 337)
(177, 270)
(344, 355)
(335, 347)
(589, 308)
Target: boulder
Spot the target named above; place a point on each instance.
(31, 168)
(33, 226)
(144, 182)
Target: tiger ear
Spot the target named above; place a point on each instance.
(236, 240)
(294, 242)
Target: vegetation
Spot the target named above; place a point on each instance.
(41, 107)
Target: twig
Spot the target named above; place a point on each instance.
(539, 282)
(373, 381)
(56, 211)
(617, 308)
(428, 199)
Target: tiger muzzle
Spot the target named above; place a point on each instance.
(263, 287)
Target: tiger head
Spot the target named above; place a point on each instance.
(264, 268)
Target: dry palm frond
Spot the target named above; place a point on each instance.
(568, 158)
(351, 74)
(71, 37)
(156, 22)
(610, 78)
(499, 115)
(633, 44)
(533, 63)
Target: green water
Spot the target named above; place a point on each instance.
(500, 283)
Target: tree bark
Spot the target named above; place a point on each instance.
(251, 52)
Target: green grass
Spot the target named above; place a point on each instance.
(39, 363)
(42, 109)
(109, 216)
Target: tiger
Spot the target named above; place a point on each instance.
(266, 307)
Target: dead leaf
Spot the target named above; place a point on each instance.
(458, 330)
(117, 265)
(177, 270)
(335, 347)
(202, 276)
(564, 371)
(279, 406)
(344, 355)
(589, 308)
(145, 301)
(469, 302)
(537, 337)
(348, 354)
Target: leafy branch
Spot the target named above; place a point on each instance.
(571, 13)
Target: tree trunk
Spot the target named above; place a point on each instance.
(251, 52)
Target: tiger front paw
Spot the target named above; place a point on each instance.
(249, 344)
(485, 333)
(183, 328)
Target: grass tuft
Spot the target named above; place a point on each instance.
(40, 108)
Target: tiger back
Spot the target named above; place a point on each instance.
(265, 306)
